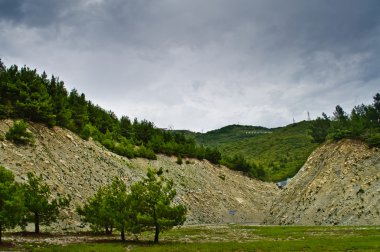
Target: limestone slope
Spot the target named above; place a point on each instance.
(338, 185)
(73, 166)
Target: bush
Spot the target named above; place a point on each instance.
(179, 160)
(19, 133)
(340, 134)
(374, 140)
(145, 152)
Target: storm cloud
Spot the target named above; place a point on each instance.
(201, 65)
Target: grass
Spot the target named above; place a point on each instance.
(232, 238)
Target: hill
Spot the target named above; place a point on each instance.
(338, 185)
(281, 151)
(72, 165)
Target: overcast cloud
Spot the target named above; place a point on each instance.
(199, 64)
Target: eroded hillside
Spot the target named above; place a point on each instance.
(73, 166)
(338, 185)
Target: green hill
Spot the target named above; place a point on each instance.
(281, 151)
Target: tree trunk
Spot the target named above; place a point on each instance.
(156, 234)
(108, 231)
(36, 223)
(122, 234)
(1, 230)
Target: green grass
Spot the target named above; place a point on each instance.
(239, 238)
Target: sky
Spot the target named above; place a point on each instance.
(202, 64)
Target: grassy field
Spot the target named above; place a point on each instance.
(214, 238)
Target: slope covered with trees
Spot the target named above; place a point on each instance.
(272, 154)
(27, 95)
(363, 123)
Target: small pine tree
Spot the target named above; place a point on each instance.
(153, 198)
(11, 201)
(39, 209)
(19, 133)
(179, 160)
(97, 212)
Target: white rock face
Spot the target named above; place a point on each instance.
(338, 185)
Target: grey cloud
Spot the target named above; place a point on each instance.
(254, 62)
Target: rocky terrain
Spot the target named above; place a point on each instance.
(71, 165)
(338, 185)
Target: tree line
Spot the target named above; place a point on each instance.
(363, 123)
(147, 205)
(35, 97)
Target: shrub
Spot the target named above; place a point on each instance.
(374, 140)
(145, 152)
(179, 160)
(19, 133)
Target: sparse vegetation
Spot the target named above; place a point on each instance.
(19, 133)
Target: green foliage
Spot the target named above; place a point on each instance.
(374, 140)
(30, 96)
(319, 129)
(239, 163)
(179, 160)
(117, 199)
(97, 212)
(153, 197)
(40, 208)
(146, 152)
(19, 133)
(363, 124)
(273, 154)
(213, 155)
(148, 205)
(11, 201)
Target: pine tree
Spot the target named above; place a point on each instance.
(40, 209)
(153, 198)
(97, 212)
(11, 201)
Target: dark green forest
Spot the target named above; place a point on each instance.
(30, 96)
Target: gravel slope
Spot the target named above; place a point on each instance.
(338, 185)
(73, 166)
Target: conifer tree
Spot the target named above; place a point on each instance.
(40, 208)
(11, 201)
(153, 199)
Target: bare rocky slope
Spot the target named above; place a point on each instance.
(338, 185)
(73, 166)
